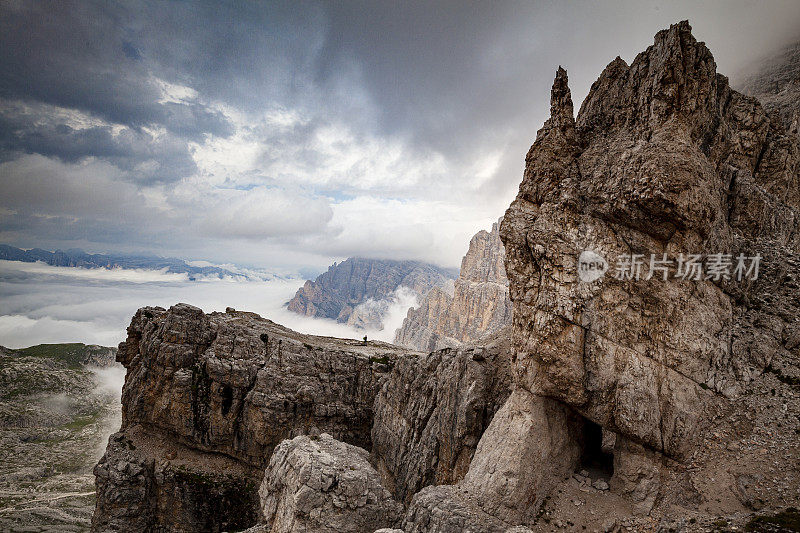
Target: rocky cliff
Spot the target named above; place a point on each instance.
(205, 401)
(479, 305)
(359, 291)
(208, 398)
(663, 160)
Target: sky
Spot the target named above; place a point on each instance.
(290, 135)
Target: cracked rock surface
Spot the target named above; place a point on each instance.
(320, 484)
(431, 411)
(478, 307)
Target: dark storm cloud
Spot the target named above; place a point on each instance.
(33, 130)
(456, 75)
(74, 55)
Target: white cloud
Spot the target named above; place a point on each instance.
(426, 230)
(48, 309)
(261, 212)
(129, 275)
(18, 331)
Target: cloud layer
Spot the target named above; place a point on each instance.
(47, 304)
(293, 134)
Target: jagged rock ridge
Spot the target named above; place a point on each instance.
(358, 291)
(664, 157)
(479, 305)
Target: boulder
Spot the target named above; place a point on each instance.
(320, 484)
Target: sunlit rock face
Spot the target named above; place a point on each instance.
(478, 306)
(664, 157)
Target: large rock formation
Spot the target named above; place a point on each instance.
(479, 305)
(320, 484)
(663, 158)
(359, 291)
(217, 393)
(207, 398)
(432, 410)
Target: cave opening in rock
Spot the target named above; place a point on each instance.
(597, 457)
(227, 399)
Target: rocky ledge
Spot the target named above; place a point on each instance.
(209, 397)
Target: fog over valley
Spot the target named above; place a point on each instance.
(47, 304)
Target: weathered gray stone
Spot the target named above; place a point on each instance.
(477, 308)
(238, 384)
(431, 411)
(227, 387)
(443, 509)
(320, 484)
(532, 443)
(145, 482)
(640, 172)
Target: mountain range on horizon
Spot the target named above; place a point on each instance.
(360, 291)
(75, 257)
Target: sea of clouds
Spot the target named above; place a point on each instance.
(40, 303)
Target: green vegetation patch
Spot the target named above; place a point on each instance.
(71, 354)
(81, 421)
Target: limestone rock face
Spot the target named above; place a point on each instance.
(431, 411)
(358, 291)
(531, 444)
(664, 158)
(223, 387)
(237, 384)
(320, 484)
(479, 305)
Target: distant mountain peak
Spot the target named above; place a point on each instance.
(359, 290)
